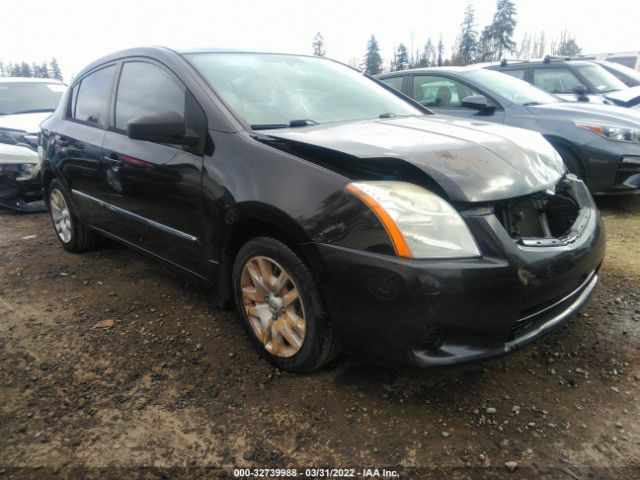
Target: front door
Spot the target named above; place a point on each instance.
(155, 186)
(444, 95)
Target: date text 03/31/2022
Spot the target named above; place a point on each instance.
(315, 473)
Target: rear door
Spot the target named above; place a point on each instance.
(80, 137)
(444, 95)
(155, 187)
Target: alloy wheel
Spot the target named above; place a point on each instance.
(274, 306)
(60, 215)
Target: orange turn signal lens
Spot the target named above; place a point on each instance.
(397, 239)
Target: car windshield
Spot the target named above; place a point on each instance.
(600, 80)
(513, 89)
(278, 91)
(29, 97)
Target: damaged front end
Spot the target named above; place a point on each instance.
(549, 218)
(19, 172)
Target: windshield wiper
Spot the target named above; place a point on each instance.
(303, 122)
(387, 115)
(531, 104)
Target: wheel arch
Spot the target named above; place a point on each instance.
(573, 148)
(252, 219)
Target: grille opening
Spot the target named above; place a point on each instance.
(539, 215)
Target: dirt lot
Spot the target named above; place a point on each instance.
(175, 389)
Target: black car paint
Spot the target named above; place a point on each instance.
(603, 161)
(193, 208)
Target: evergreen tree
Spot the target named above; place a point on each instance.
(2, 69)
(25, 70)
(372, 60)
(43, 70)
(440, 51)
(468, 39)
(566, 46)
(401, 58)
(504, 23)
(54, 69)
(16, 70)
(318, 45)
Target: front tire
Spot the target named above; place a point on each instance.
(571, 161)
(281, 307)
(73, 236)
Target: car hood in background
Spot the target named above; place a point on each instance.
(17, 155)
(584, 111)
(26, 122)
(625, 98)
(471, 161)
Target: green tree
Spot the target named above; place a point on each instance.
(43, 70)
(496, 40)
(401, 58)
(25, 70)
(318, 45)
(467, 44)
(566, 46)
(440, 51)
(2, 69)
(372, 60)
(54, 69)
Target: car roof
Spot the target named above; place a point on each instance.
(160, 53)
(29, 80)
(511, 63)
(451, 69)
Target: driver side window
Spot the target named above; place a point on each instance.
(145, 88)
(440, 92)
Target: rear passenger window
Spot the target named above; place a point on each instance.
(145, 88)
(555, 80)
(394, 82)
(92, 97)
(515, 73)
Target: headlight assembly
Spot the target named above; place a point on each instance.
(613, 132)
(420, 223)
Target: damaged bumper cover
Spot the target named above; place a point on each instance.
(20, 179)
(426, 313)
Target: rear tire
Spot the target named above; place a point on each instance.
(71, 234)
(281, 308)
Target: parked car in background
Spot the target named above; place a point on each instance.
(599, 144)
(629, 76)
(24, 103)
(330, 209)
(572, 80)
(628, 59)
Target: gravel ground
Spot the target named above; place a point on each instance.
(175, 390)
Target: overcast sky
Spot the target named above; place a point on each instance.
(79, 31)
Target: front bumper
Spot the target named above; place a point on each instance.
(614, 167)
(19, 179)
(440, 312)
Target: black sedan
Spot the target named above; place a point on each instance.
(598, 143)
(334, 213)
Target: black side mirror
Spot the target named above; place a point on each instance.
(478, 102)
(581, 91)
(161, 127)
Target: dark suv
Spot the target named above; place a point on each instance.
(329, 209)
(571, 80)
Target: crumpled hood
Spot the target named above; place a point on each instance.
(27, 122)
(626, 98)
(472, 161)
